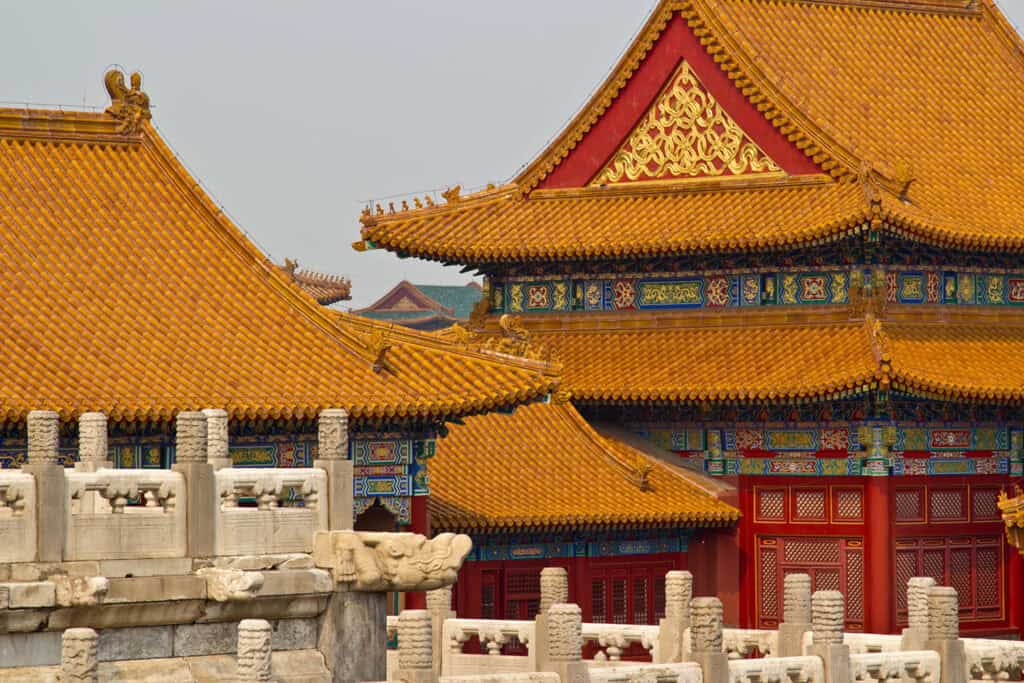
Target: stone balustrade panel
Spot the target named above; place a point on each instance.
(740, 643)
(17, 517)
(994, 660)
(785, 669)
(613, 639)
(864, 643)
(290, 505)
(882, 667)
(493, 634)
(142, 516)
(686, 672)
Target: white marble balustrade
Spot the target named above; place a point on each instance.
(104, 524)
(865, 643)
(777, 670)
(614, 639)
(686, 672)
(994, 660)
(881, 667)
(493, 634)
(17, 517)
(740, 643)
(290, 506)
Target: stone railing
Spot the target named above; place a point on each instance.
(994, 660)
(288, 508)
(709, 653)
(17, 517)
(613, 639)
(168, 565)
(864, 643)
(781, 669)
(686, 672)
(740, 643)
(492, 635)
(882, 667)
(124, 514)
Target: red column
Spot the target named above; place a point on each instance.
(880, 555)
(420, 518)
(1015, 591)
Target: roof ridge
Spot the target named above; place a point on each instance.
(964, 7)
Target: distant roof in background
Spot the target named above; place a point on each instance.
(425, 307)
(326, 289)
(127, 290)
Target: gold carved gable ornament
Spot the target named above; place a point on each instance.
(685, 134)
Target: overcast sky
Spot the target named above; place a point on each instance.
(294, 113)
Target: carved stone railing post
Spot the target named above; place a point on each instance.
(706, 639)
(93, 455)
(678, 594)
(796, 615)
(79, 662)
(200, 486)
(332, 457)
(415, 647)
(44, 465)
(828, 613)
(564, 655)
(554, 590)
(254, 650)
(93, 452)
(439, 605)
(218, 448)
(916, 634)
(944, 633)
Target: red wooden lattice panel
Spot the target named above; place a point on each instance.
(971, 564)
(771, 505)
(809, 505)
(909, 505)
(847, 505)
(947, 505)
(832, 563)
(983, 504)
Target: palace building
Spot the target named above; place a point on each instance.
(128, 291)
(783, 241)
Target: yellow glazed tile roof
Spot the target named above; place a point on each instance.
(910, 108)
(127, 290)
(678, 358)
(543, 466)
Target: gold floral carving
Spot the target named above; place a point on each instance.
(686, 134)
(670, 293)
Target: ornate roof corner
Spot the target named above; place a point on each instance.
(326, 289)
(515, 341)
(453, 194)
(128, 105)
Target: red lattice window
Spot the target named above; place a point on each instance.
(983, 504)
(947, 505)
(597, 603)
(972, 565)
(522, 593)
(809, 505)
(811, 551)
(832, 563)
(847, 505)
(910, 504)
(640, 602)
(628, 595)
(769, 587)
(771, 505)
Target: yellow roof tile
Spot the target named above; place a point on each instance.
(681, 357)
(127, 290)
(543, 466)
(921, 97)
